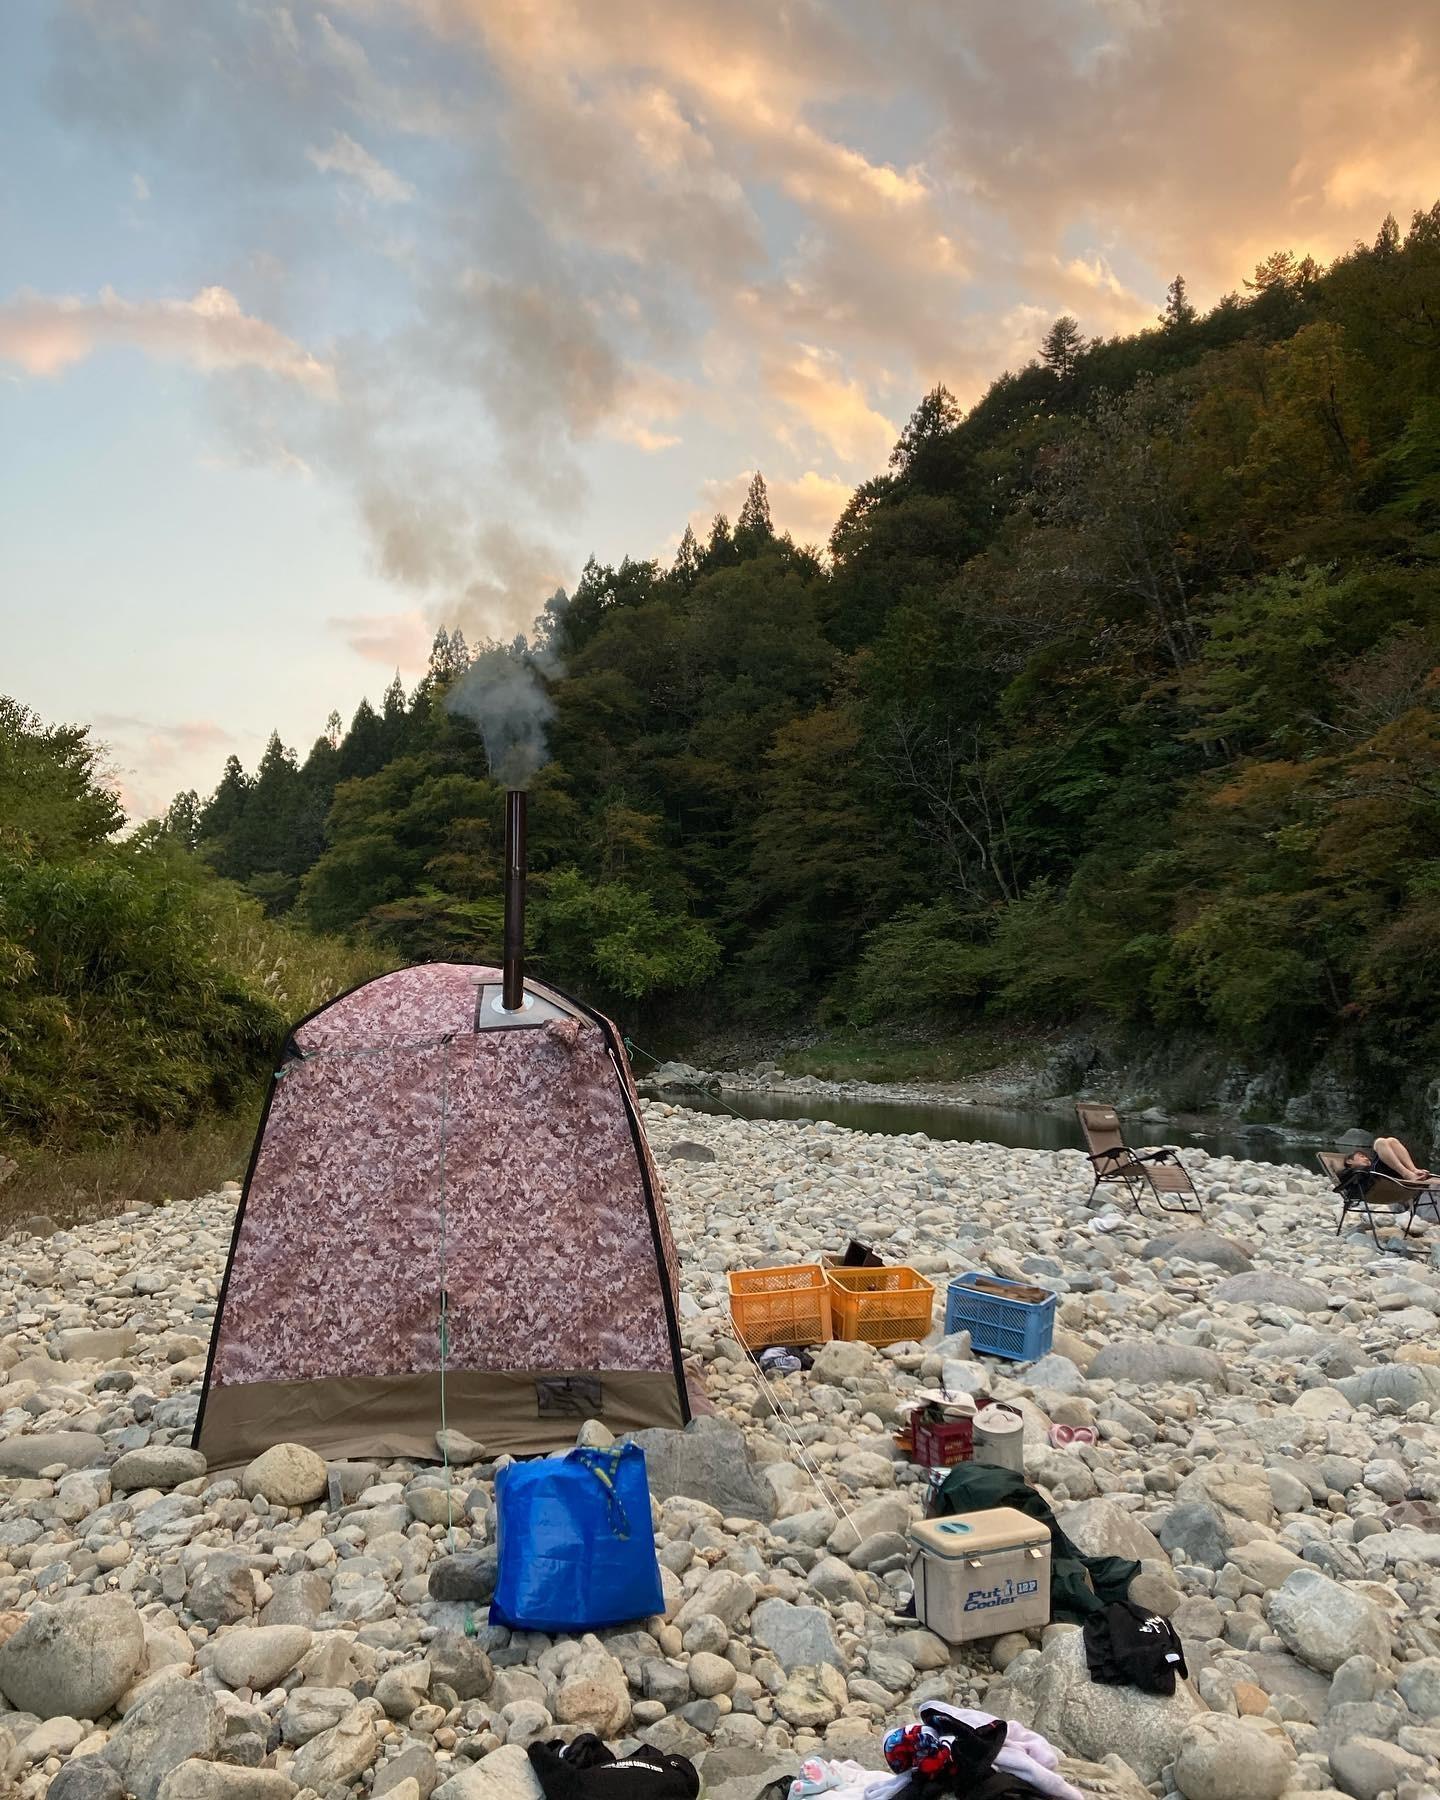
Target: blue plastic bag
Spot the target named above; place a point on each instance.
(576, 1548)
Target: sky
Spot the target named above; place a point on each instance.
(325, 324)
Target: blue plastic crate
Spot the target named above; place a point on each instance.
(1018, 1329)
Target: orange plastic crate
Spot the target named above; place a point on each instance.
(780, 1306)
(880, 1306)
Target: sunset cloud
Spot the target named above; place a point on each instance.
(46, 335)
(343, 156)
(398, 640)
(526, 252)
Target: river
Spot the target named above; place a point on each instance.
(1022, 1128)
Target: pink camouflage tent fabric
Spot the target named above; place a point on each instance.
(410, 1165)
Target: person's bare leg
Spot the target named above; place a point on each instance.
(1397, 1157)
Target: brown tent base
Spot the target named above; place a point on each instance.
(373, 1418)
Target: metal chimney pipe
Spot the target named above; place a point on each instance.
(512, 996)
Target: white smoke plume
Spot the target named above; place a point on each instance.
(502, 694)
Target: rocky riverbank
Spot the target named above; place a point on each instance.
(1266, 1399)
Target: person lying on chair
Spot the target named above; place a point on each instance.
(1388, 1156)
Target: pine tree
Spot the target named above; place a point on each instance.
(936, 415)
(753, 528)
(223, 812)
(334, 730)
(460, 654)
(686, 567)
(720, 551)
(182, 819)
(1178, 308)
(266, 841)
(363, 751)
(1062, 346)
(1387, 241)
(393, 716)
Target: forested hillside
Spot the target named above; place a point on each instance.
(1116, 698)
(137, 990)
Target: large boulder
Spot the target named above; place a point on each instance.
(339, 1756)
(179, 1720)
(162, 1466)
(74, 1660)
(27, 1456)
(505, 1774)
(1267, 1287)
(259, 1656)
(1221, 1758)
(197, 1780)
(1051, 1691)
(1407, 1384)
(1325, 1624)
(1154, 1361)
(287, 1475)
(1101, 1528)
(1233, 1487)
(707, 1461)
(1199, 1247)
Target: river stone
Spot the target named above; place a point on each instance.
(85, 1778)
(1407, 1384)
(73, 1660)
(311, 1710)
(337, 1756)
(162, 1466)
(27, 1456)
(85, 1344)
(798, 1637)
(812, 1698)
(706, 1461)
(196, 1780)
(1052, 1691)
(469, 1577)
(259, 1656)
(1155, 1361)
(179, 1720)
(460, 1664)
(414, 1763)
(1267, 1287)
(1225, 1759)
(687, 1150)
(595, 1694)
(505, 1774)
(287, 1475)
(723, 1593)
(1368, 1767)
(1199, 1247)
(1101, 1528)
(1419, 1686)
(1325, 1624)
(741, 1774)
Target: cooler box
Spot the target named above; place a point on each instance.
(980, 1574)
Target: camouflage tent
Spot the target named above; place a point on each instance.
(449, 1203)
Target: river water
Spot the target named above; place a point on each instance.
(1020, 1128)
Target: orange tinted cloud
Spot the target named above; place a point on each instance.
(47, 334)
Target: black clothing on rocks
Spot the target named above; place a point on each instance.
(1127, 1647)
(588, 1770)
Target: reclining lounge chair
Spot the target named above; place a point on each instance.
(1157, 1172)
(1386, 1192)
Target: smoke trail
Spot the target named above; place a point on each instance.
(502, 695)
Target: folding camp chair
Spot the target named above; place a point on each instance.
(1156, 1172)
(1382, 1190)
